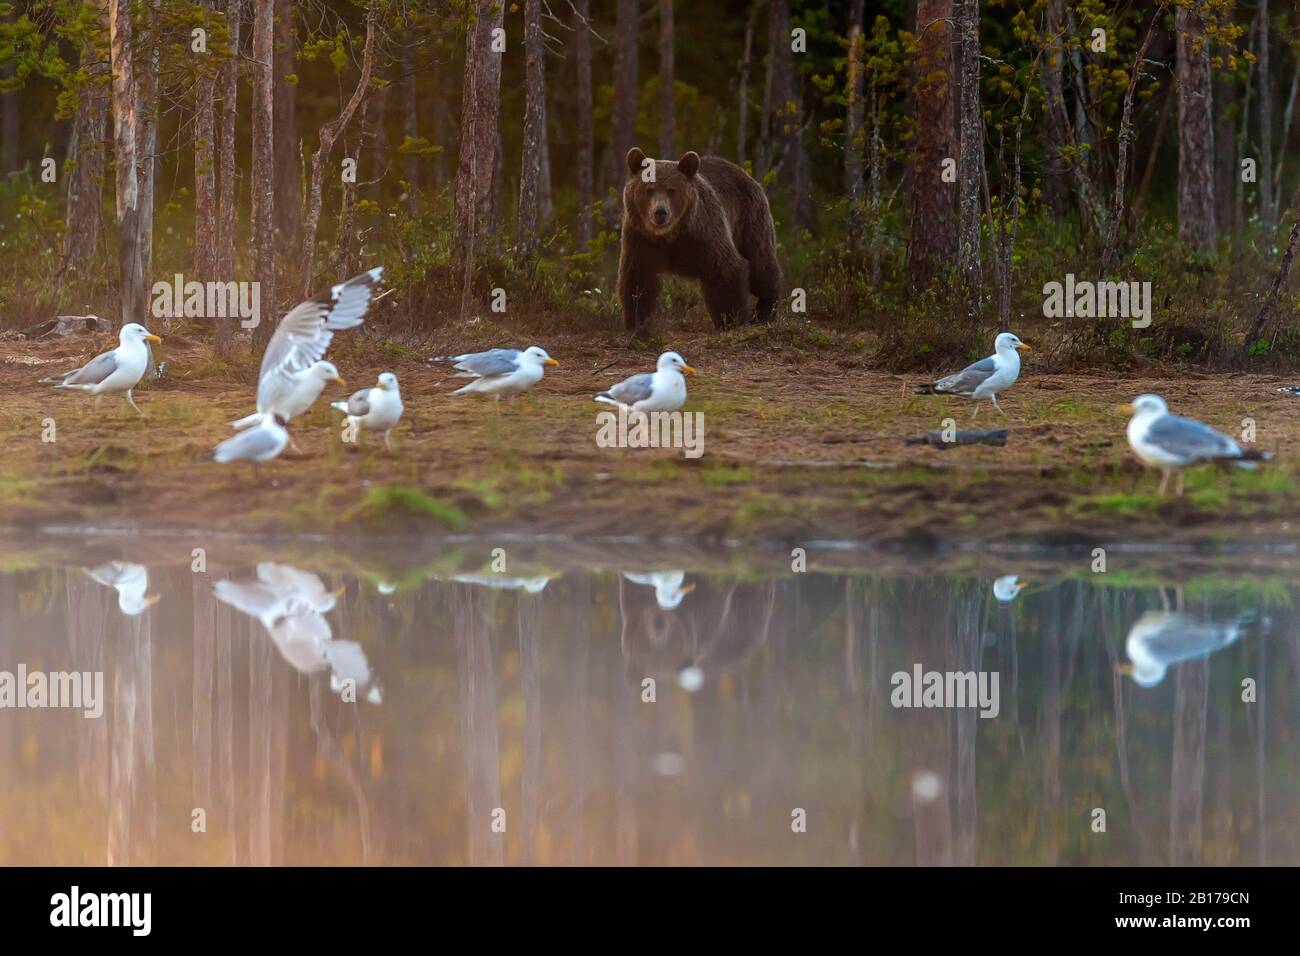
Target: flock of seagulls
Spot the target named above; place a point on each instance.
(294, 372)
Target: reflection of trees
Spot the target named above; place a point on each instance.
(478, 722)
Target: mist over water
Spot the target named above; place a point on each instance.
(322, 717)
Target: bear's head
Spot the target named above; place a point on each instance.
(659, 193)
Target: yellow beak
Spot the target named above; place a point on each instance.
(686, 588)
(151, 599)
(550, 362)
(688, 370)
(1022, 347)
(152, 338)
(340, 380)
(1126, 669)
(1124, 409)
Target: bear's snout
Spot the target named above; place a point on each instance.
(660, 213)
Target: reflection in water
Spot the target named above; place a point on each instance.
(516, 726)
(1007, 587)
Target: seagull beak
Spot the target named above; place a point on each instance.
(1021, 585)
(686, 588)
(1126, 669)
(1124, 409)
(338, 591)
(341, 380)
(688, 370)
(152, 338)
(1022, 347)
(550, 361)
(150, 600)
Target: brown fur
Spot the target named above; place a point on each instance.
(716, 227)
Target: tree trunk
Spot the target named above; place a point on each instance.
(410, 129)
(853, 146)
(287, 145)
(530, 171)
(348, 205)
(262, 170)
(1267, 209)
(85, 185)
(794, 174)
(582, 56)
(1196, 225)
(667, 114)
(131, 278)
(1056, 121)
(742, 107)
(480, 109)
(329, 134)
(972, 157)
(147, 147)
(764, 157)
(8, 118)
(205, 170)
(625, 88)
(229, 197)
(933, 245)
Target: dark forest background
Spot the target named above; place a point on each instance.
(930, 163)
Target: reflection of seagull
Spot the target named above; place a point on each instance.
(986, 377)
(131, 582)
(1160, 639)
(500, 582)
(1172, 443)
(291, 605)
(1007, 587)
(667, 584)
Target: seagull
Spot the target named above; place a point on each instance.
(291, 604)
(986, 377)
(261, 443)
(378, 408)
(667, 584)
(1160, 639)
(303, 388)
(286, 379)
(116, 371)
(131, 581)
(499, 372)
(1172, 443)
(533, 585)
(1008, 587)
(663, 390)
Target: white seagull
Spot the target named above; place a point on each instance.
(377, 408)
(668, 586)
(499, 372)
(1008, 587)
(131, 581)
(1160, 639)
(257, 444)
(1172, 443)
(292, 374)
(663, 390)
(985, 378)
(116, 371)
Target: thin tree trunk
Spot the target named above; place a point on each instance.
(130, 274)
(329, 134)
(8, 117)
(530, 171)
(1267, 209)
(582, 57)
(410, 128)
(972, 157)
(933, 245)
(1157, 139)
(623, 139)
(1239, 187)
(794, 173)
(1285, 139)
(764, 157)
(667, 81)
(853, 146)
(1196, 225)
(1056, 121)
(1264, 317)
(348, 205)
(742, 107)
(205, 170)
(262, 170)
(85, 185)
(229, 196)
(287, 145)
(147, 147)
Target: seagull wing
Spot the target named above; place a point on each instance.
(249, 445)
(304, 334)
(632, 390)
(359, 403)
(968, 379)
(1190, 440)
(491, 362)
(94, 371)
(251, 597)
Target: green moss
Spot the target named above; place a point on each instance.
(394, 500)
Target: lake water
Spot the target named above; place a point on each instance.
(298, 706)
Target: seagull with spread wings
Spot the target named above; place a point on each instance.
(985, 378)
(293, 372)
(115, 372)
(498, 372)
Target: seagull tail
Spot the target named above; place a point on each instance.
(924, 390)
(605, 397)
(247, 420)
(1251, 457)
(466, 389)
(341, 406)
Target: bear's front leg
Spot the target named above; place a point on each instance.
(638, 283)
(727, 297)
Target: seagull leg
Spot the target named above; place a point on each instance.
(294, 445)
(977, 412)
(996, 405)
(1182, 476)
(388, 444)
(133, 404)
(1164, 483)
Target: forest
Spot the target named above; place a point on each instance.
(932, 166)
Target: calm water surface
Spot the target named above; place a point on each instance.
(296, 714)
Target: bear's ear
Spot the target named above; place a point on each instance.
(689, 164)
(635, 160)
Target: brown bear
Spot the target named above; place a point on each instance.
(702, 218)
